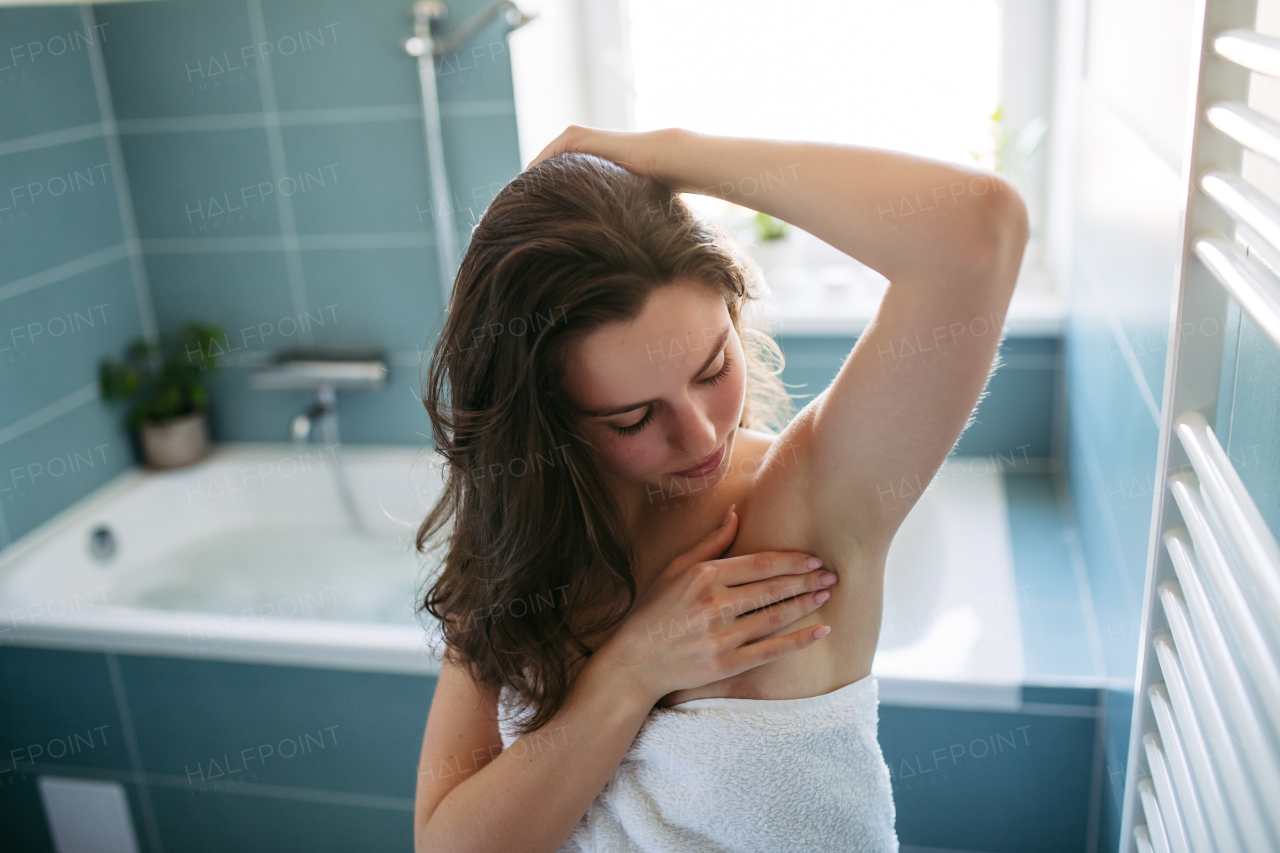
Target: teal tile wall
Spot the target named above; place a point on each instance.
(1015, 419)
(59, 204)
(283, 190)
(1252, 412)
(1128, 195)
(68, 292)
(272, 165)
(46, 83)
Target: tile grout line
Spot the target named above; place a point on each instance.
(1093, 823)
(1126, 349)
(65, 270)
(42, 416)
(246, 789)
(1094, 473)
(124, 198)
(1056, 709)
(53, 138)
(275, 243)
(249, 121)
(279, 169)
(1235, 379)
(135, 754)
(1084, 590)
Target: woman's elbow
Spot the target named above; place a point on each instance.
(994, 248)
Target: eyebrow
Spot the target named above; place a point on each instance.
(631, 407)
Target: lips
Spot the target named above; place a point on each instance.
(703, 468)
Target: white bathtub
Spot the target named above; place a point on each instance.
(249, 557)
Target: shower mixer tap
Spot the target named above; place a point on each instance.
(325, 371)
(323, 409)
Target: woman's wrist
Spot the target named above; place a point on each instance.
(603, 673)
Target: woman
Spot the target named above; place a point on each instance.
(593, 392)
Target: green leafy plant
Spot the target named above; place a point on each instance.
(1011, 151)
(161, 382)
(770, 228)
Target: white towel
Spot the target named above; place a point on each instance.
(746, 775)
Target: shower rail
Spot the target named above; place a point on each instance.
(1206, 723)
(427, 48)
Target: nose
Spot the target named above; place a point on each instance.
(695, 434)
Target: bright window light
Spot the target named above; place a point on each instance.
(921, 76)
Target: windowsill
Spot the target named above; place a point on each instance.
(817, 290)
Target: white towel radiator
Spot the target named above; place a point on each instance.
(1204, 752)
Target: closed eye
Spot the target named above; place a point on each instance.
(648, 416)
(724, 371)
(635, 427)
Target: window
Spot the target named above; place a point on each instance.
(916, 75)
(922, 76)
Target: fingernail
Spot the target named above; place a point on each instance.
(812, 563)
(819, 633)
(821, 596)
(728, 515)
(827, 578)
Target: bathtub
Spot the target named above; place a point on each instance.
(250, 556)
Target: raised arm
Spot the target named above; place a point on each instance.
(950, 240)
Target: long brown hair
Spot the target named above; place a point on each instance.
(531, 534)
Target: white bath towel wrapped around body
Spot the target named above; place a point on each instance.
(739, 775)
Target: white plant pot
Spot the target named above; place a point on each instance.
(177, 443)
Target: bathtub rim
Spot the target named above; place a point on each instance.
(330, 644)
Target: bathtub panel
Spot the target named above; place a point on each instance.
(50, 698)
(1117, 708)
(999, 799)
(217, 823)
(197, 720)
(22, 823)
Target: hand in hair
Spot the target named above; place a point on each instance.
(635, 152)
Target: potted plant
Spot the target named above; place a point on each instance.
(163, 385)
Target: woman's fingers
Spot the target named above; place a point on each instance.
(744, 599)
(748, 568)
(755, 654)
(566, 141)
(769, 619)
